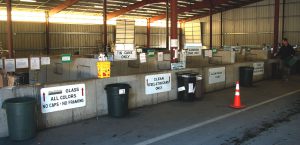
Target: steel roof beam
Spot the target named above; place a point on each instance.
(131, 7)
(62, 6)
(196, 5)
(217, 11)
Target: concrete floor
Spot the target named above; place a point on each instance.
(271, 117)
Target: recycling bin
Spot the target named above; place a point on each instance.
(186, 85)
(21, 117)
(246, 76)
(117, 99)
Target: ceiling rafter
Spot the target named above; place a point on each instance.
(131, 7)
(217, 11)
(62, 6)
(188, 8)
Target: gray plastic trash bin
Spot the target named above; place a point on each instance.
(246, 76)
(21, 117)
(117, 99)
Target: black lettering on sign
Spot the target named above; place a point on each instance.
(64, 103)
(159, 78)
(54, 98)
(45, 106)
(54, 104)
(128, 52)
(125, 56)
(72, 90)
(158, 88)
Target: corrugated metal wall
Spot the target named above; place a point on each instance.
(250, 25)
(254, 24)
(292, 21)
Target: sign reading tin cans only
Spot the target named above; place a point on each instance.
(258, 68)
(216, 75)
(125, 55)
(62, 98)
(157, 83)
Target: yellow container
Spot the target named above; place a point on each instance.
(103, 68)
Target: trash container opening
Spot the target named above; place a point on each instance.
(118, 85)
(20, 100)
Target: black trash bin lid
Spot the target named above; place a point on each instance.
(117, 85)
(20, 100)
(187, 74)
(246, 67)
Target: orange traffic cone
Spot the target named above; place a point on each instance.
(237, 99)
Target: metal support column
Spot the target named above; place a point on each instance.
(105, 26)
(148, 33)
(221, 30)
(283, 18)
(174, 39)
(167, 24)
(47, 34)
(181, 35)
(9, 30)
(210, 27)
(276, 24)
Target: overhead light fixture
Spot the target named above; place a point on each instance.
(32, 1)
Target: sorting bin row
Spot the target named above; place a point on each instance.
(21, 112)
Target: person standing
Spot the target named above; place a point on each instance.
(286, 52)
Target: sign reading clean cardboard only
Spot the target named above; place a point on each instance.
(157, 83)
(62, 98)
(216, 75)
(258, 68)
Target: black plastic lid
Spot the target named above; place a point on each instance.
(117, 85)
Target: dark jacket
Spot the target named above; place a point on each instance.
(286, 52)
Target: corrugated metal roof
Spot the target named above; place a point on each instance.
(146, 11)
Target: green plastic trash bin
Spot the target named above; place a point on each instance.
(117, 99)
(21, 117)
(246, 76)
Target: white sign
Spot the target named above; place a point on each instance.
(232, 54)
(193, 49)
(174, 42)
(34, 63)
(157, 83)
(178, 66)
(22, 63)
(10, 65)
(216, 75)
(62, 98)
(143, 58)
(45, 60)
(1, 63)
(208, 53)
(125, 55)
(160, 56)
(122, 91)
(258, 68)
